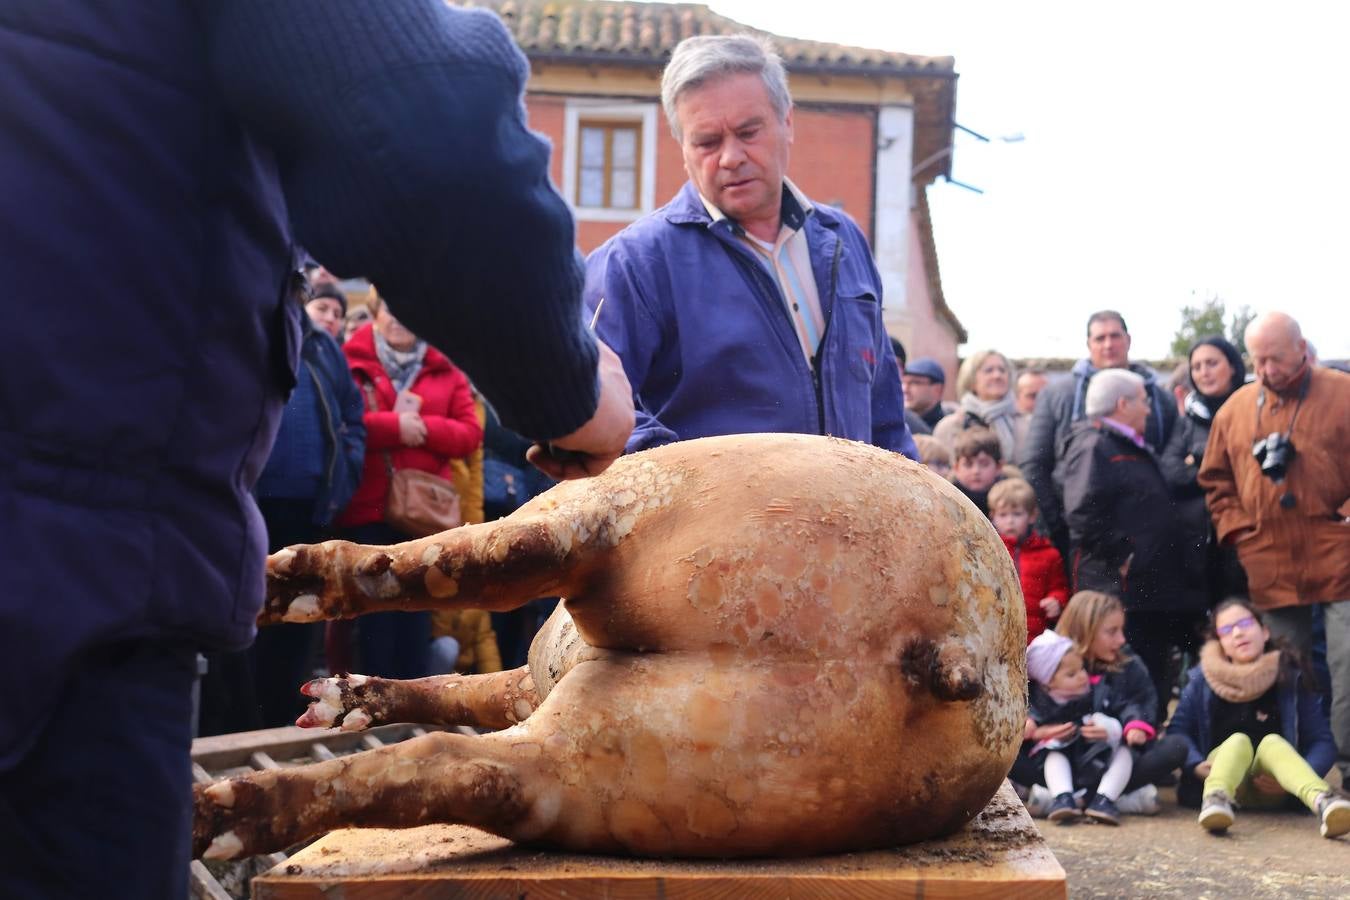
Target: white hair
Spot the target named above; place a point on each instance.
(698, 60)
(1106, 389)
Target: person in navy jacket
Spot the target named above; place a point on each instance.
(1254, 731)
(160, 162)
(742, 306)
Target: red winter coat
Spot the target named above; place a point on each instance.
(1040, 569)
(453, 431)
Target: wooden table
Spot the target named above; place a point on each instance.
(999, 855)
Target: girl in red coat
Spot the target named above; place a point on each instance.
(419, 415)
(1040, 568)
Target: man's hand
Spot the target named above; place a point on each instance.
(1050, 606)
(1136, 737)
(1267, 785)
(412, 431)
(1202, 770)
(599, 442)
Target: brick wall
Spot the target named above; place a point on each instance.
(831, 160)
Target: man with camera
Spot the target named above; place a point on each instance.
(1276, 475)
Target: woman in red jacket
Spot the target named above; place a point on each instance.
(419, 415)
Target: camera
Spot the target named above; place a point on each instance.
(1274, 452)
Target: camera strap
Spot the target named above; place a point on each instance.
(1287, 500)
(1298, 406)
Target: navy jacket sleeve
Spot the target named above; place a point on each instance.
(399, 131)
(354, 434)
(1315, 743)
(1185, 722)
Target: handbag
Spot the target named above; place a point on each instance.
(419, 503)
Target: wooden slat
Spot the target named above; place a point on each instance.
(999, 855)
(202, 885)
(371, 742)
(321, 753)
(228, 751)
(261, 761)
(200, 775)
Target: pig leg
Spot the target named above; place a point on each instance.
(353, 702)
(440, 777)
(552, 546)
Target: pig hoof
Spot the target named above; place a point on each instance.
(304, 608)
(356, 720)
(328, 707)
(282, 561)
(224, 846)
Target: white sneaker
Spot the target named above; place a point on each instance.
(1038, 801)
(1216, 812)
(1334, 814)
(1142, 801)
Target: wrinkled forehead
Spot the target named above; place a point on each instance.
(732, 98)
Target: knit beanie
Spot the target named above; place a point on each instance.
(1044, 654)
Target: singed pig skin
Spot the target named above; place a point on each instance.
(770, 645)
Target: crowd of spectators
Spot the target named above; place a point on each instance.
(1184, 556)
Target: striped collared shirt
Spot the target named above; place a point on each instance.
(788, 260)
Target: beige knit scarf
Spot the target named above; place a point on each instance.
(1238, 682)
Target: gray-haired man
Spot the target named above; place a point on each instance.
(1119, 514)
(741, 306)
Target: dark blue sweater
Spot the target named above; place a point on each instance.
(159, 162)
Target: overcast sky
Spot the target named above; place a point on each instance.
(1173, 151)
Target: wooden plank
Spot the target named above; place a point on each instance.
(999, 855)
(228, 751)
(202, 885)
(262, 762)
(200, 775)
(321, 753)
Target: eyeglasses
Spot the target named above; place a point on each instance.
(1244, 623)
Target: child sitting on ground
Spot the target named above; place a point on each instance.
(979, 458)
(1040, 568)
(1255, 734)
(934, 454)
(1071, 746)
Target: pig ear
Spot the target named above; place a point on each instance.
(947, 669)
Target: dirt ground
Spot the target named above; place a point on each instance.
(1264, 855)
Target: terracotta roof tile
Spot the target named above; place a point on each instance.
(605, 30)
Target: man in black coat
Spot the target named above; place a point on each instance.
(1061, 405)
(1121, 523)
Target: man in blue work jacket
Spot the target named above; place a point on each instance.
(742, 306)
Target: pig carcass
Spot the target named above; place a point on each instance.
(771, 645)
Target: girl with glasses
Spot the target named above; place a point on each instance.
(1256, 732)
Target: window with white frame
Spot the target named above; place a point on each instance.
(609, 159)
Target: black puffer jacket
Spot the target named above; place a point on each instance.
(1209, 569)
(1119, 511)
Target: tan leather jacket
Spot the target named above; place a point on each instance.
(1295, 554)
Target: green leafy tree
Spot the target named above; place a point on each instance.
(1237, 327)
(1197, 322)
